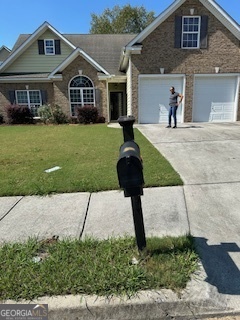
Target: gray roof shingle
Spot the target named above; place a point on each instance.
(105, 49)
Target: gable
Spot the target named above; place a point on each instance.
(76, 53)
(31, 40)
(211, 5)
(32, 61)
(174, 14)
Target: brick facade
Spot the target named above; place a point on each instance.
(6, 87)
(61, 95)
(158, 50)
(57, 92)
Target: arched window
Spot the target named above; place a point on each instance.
(81, 93)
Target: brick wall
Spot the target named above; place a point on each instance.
(6, 87)
(158, 50)
(61, 96)
(57, 92)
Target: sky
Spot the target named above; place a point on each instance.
(25, 16)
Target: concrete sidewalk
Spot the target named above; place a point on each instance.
(167, 211)
(100, 215)
(207, 158)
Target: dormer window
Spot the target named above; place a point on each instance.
(191, 32)
(49, 46)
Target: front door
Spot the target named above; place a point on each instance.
(116, 105)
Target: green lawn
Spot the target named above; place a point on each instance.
(86, 154)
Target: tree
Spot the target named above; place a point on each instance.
(121, 20)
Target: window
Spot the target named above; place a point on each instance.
(81, 93)
(30, 98)
(49, 46)
(191, 32)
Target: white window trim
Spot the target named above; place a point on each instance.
(81, 89)
(45, 47)
(199, 31)
(29, 104)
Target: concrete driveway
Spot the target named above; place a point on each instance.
(207, 157)
(202, 153)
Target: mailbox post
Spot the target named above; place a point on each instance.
(130, 176)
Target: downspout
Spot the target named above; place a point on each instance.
(237, 100)
(108, 105)
(130, 87)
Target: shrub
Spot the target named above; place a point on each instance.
(73, 120)
(52, 114)
(45, 114)
(18, 114)
(101, 119)
(59, 117)
(1, 119)
(87, 114)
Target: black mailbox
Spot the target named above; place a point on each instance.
(130, 169)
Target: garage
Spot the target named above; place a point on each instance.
(215, 98)
(154, 97)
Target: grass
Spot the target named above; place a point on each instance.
(87, 156)
(103, 268)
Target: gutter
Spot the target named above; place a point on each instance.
(126, 53)
(30, 79)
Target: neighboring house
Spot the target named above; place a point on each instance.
(4, 53)
(193, 45)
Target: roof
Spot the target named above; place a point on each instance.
(43, 77)
(5, 48)
(105, 49)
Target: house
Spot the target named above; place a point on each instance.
(194, 45)
(4, 53)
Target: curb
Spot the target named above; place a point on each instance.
(197, 301)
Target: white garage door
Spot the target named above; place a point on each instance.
(214, 98)
(154, 98)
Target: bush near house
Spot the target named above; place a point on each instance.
(101, 119)
(1, 119)
(87, 114)
(52, 114)
(18, 114)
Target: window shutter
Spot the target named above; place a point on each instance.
(178, 31)
(204, 31)
(57, 47)
(12, 96)
(41, 47)
(44, 96)
(97, 97)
